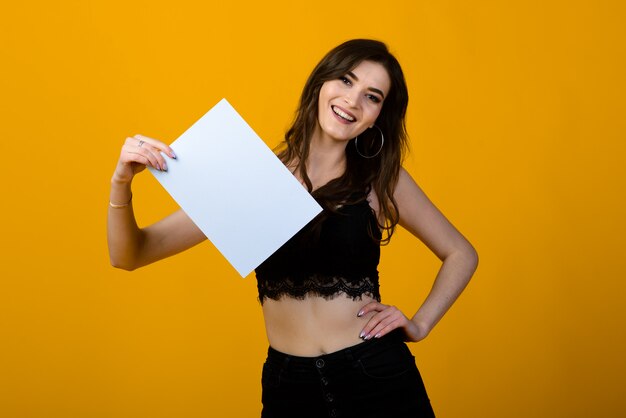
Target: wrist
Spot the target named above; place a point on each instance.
(122, 205)
(423, 325)
(121, 194)
(117, 180)
(123, 174)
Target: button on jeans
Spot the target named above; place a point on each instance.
(376, 378)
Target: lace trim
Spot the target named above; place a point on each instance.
(319, 285)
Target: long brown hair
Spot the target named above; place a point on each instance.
(361, 174)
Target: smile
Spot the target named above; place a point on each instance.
(343, 115)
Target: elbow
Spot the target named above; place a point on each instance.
(471, 255)
(123, 258)
(464, 259)
(475, 255)
(119, 264)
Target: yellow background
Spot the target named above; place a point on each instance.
(517, 125)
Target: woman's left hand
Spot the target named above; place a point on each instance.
(388, 318)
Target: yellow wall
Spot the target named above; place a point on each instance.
(517, 124)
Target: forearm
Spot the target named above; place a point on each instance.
(123, 235)
(453, 276)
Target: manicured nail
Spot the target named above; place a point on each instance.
(360, 313)
(174, 155)
(377, 335)
(165, 167)
(362, 334)
(367, 337)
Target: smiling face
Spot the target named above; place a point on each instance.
(350, 104)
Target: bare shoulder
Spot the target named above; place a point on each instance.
(424, 220)
(408, 195)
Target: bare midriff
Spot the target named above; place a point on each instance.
(314, 326)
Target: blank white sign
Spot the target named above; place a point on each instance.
(235, 189)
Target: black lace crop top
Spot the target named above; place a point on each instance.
(337, 252)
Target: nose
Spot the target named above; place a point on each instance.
(349, 99)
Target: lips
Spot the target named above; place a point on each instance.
(343, 114)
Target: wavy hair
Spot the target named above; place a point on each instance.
(362, 174)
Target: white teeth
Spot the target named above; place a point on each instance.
(344, 115)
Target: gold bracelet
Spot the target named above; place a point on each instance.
(116, 206)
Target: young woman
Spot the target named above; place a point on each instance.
(335, 349)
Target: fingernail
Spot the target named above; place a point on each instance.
(165, 166)
(362, 334)
(360, 313)
(367, 337)
(377, 335)
(174, 155)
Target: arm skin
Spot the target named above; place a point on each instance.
(131, 247)
(422, 219)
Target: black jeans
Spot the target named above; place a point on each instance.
(377, 378)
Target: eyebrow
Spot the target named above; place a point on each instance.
(375, 90)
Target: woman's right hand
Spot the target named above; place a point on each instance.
(139, 152)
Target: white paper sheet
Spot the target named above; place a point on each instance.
(235, 189)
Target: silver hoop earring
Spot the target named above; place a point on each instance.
(382, 142)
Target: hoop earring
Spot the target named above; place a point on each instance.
(382, 142)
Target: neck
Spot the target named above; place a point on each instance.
(327, 157)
